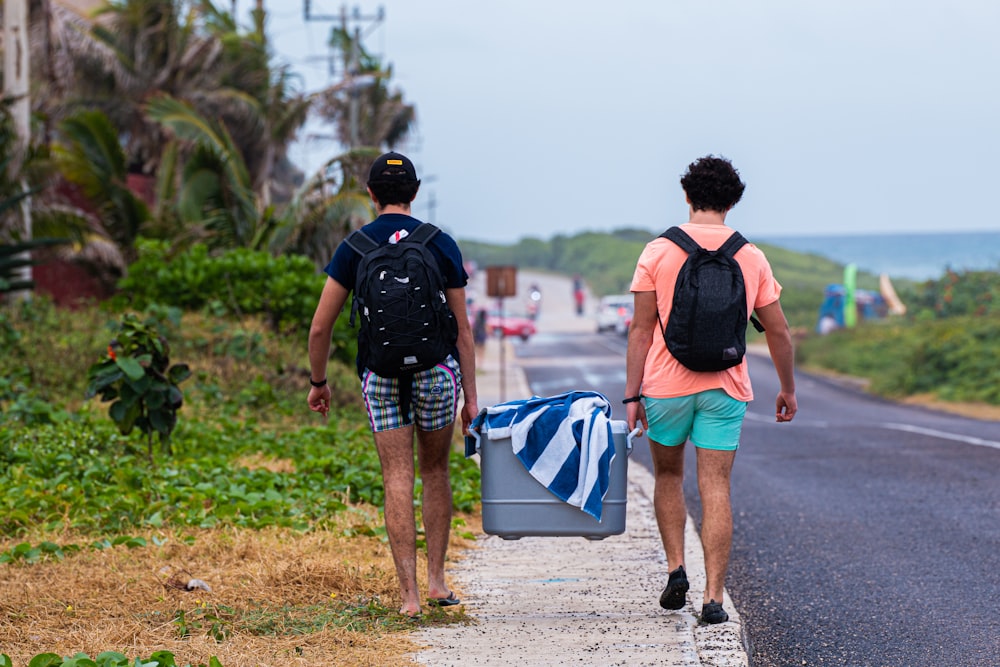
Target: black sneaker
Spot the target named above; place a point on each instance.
(713, 613)
(672, 596)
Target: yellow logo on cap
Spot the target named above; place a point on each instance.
(399, 162)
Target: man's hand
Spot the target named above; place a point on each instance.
(469, 412)
(635, 413)
(319, 400)
(786, 407)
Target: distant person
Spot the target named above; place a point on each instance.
(578, 295)
(480, 332)
(534, 301)
(675, 404)
(426, 402)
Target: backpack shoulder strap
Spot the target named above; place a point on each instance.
(424, 232)
(729, 249)
(360, 242)
(681, 238)
(732, 245)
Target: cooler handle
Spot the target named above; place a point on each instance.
(472, 442)
(636, 432)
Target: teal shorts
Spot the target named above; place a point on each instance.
(710, 420)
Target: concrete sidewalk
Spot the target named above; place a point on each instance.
(565, 600)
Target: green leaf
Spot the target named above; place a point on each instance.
(142, 385)
(178, 373)
(176, 398)
(111, 659)
(117, 411)
(46, 660)
(164, 659)
(162, 421)
(102, 376)
(126, 420)
(130, 367)
(79, 660)
(156, 400)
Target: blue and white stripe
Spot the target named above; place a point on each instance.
(564, 442)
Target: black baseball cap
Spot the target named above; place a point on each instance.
(392, 168)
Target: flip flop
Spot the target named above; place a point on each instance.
(449, 601)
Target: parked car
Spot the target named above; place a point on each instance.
(614, 313)
(509, 324)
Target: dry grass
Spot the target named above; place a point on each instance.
(285, 598)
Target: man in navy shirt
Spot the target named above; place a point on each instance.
(392, 186)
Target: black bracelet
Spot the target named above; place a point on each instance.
(321, 383)
(632, 399)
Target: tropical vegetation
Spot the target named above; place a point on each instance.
(158, 159)
(274, 509)
(945, 348)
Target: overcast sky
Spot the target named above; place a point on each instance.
(544, 117)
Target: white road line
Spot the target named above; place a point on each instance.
(970, 440)
(907, 428)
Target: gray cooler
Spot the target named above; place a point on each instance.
(516, 505)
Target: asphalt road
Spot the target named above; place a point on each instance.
(867, 533)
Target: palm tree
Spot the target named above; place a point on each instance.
(278, 112)
(214, 199)
(327, 208)
(135, 49)
(88, 155)
(384, 119)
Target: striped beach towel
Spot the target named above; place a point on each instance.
(564, 442)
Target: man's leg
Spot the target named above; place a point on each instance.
(432, 454)
(714, 470)
(668, 500)
(395, 451)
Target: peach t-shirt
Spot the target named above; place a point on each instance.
(656, 270)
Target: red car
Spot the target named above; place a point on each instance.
(509, 325)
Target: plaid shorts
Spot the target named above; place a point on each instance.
(434, 401)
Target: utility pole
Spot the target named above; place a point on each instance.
(15, 82)
(353, 82)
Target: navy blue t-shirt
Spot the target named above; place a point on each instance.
(344, 266)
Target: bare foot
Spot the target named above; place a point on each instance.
(410, 612)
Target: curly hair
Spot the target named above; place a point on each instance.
(394, 193)
(712, 184)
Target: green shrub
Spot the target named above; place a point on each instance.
(138, 378)
(956, 294)
(956, 359)
(283, 290)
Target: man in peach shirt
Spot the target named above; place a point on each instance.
(675, 404)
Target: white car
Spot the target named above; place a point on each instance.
(614, 313)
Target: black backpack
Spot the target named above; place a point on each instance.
(406, 325)
(706, 330)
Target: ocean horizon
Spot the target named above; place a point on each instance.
(911, 256)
